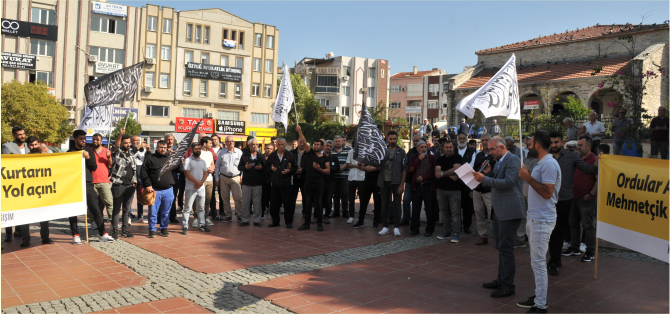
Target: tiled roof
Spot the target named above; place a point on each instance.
(552, 72)
(411, 74)
(584, 33)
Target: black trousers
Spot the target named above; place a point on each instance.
(25, 231)
(327, 197)
(123, 197)
(182, 187)
(266, 196)
(422, 196)
(341, 195)
(92, 203)
(353, 187)
(391, 191)
(558, 234)
(312, 196)
(468, 208)
(175, 191)
(282, 196)
(365, 191)
(504, 232)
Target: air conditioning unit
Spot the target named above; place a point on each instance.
(404, 89)
(210, 115)
(71, 115)
(92, 58)
(148, 89)
(69, 102)
(151, 60)
(345, 78)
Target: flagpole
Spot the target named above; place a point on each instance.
(521, 142)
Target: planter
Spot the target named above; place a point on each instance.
(634, 151)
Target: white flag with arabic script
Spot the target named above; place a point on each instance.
(284, 100)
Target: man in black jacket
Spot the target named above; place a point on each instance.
(481, 195)
(329, 180)
(468, 155)
(163, 186)
(253, 178)
(299, 174)
(316, 167)
(283, 166)
(79, 137)
(267, 184)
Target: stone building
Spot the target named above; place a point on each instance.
(554, 67)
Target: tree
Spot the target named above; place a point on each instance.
(132, 127)
(31, 106)
(573, 109)
(309, 109)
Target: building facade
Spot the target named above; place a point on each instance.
(414, 95)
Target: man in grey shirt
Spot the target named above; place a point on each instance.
(228, 174)
(571, 130)
(621, 129)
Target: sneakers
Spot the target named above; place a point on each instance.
(76, 239)
(571, 252)
(127, 234)
(384, 231)
(566, 245)
(105, 238)
(587, 257)
(164, 232)
(527, 304)
(140, 220)
(203, 228)
(303, 227)
(536, 310)
(444, 235)
(152, 234)
(519, 242)
(492, 285)
(582, 247)
(454, 238)
(359, 224)
(553, 270)
(208, 222)
(184, 231)
(195, 223)
(350, 220)
(396, 232)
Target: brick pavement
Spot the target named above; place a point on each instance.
(167, 306)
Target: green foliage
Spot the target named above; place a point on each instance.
(379, 113)
(132, 127)
(573, 109)
(31, 106)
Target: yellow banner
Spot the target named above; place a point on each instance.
(40, 186)
(262, 132)
(633, 194)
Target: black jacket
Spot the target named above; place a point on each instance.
(334, 167)
(287, 162)
(299, 177)
(151, 168)
(252, 176)
(479, 160)
(90, 163)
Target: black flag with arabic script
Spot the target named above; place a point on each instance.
(370, 147)
(178, 154)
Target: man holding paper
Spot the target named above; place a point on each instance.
(508, 209)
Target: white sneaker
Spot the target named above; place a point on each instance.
(94, 226)
(76, 239)
(384, 231)
(582, 247)
(195, 223)
(208, 222)
(396, 232)
(350, 220)
(129, 222)
(106, 238)
(566, 245)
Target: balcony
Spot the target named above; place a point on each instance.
(331, 109)
(413, 109)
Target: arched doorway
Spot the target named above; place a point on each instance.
(605, 104)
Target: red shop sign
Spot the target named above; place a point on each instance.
(185, 125)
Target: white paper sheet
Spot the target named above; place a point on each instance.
(464, 172)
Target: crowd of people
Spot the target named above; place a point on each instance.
(547, 202)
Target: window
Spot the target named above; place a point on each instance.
(268, 66)
(371, 92)
(43, 16)
(224, 61)
(445, 87)
(255, 89)
(238, 91)
(324, 102)
(258, 40)
(193, 112)
(106, 25)
(394, 105)
(260, 117)
(257, 64)
(383, 72)
(413, 118)
(432, 105)
(151, 51)
(445, 105)
(269, 42)
(434, 89)
(149, 79)
(108, 54)
(165, 53)
(165, 80)
(203, 88)
(346, 71)
(346, 90)
(42, 47)
(228, 115)
(414, 90)
(225, 34)
(167, 26)
(415, 103)
(198, 32)
(151, 25)
(189, 33)
(239, 62)
(372, 73)
(395, 89)
(205, 39)
(205, 58)
(222, 89)
(188, 56)
(241, 42)
(233, 35)
(158, 111)
(188, 82)
(45, 77)
(268, 91)
(326, 84)
(345, 111)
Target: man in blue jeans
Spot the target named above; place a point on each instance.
(545, 183)
(164, 196)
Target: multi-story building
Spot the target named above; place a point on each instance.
(341, 84)
(413, 94)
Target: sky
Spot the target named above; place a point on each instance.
(428, 35)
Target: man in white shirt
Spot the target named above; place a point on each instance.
(356, 178)
(228, 176)
(196, 173)
(595, 129)
(208, 157)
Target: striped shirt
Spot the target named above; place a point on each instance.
(342, 157)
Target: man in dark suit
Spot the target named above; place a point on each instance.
(507, 212)
(464, 128)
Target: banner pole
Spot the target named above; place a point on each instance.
(595, 274)
(521, 141)
(86, 227)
